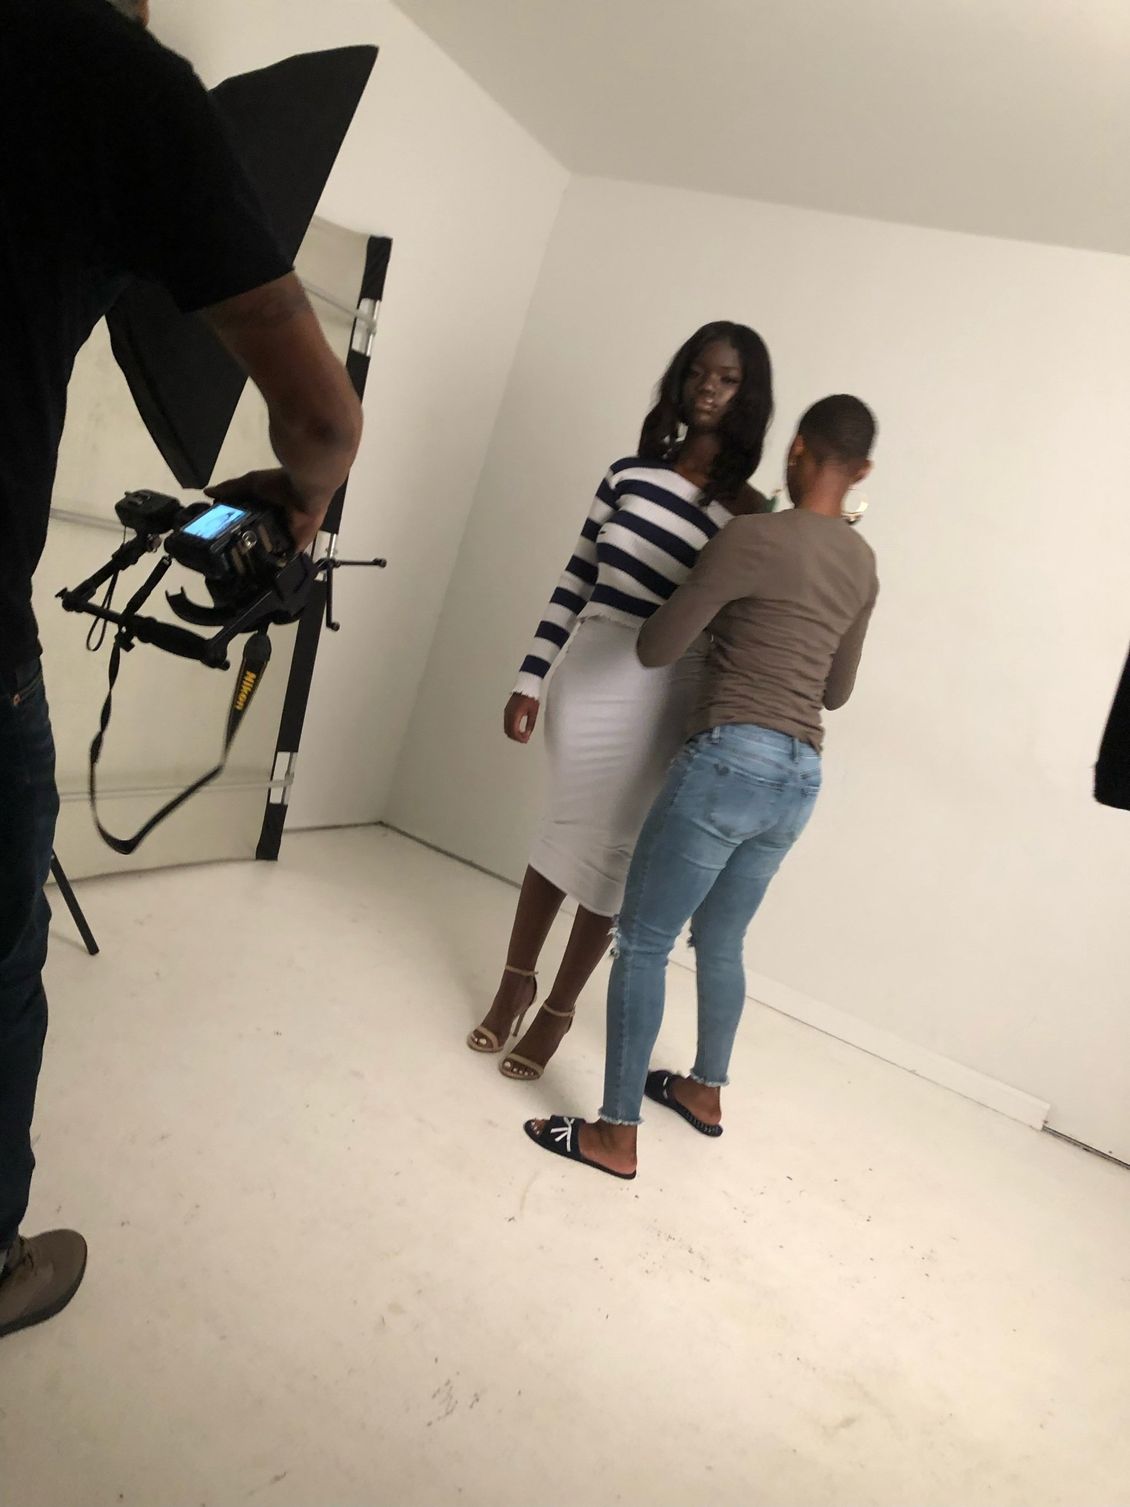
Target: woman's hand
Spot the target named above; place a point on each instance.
(520, 718)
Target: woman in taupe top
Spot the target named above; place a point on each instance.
(787, 598)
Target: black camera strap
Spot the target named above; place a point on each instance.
(256, 657)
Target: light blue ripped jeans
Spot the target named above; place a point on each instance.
(735, 802)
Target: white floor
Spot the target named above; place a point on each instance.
(327, 1268)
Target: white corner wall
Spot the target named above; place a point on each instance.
(469, 200)
(958, 890)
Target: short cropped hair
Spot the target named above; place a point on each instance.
(840, 429)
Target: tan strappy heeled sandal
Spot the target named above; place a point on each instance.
(490, 1043)
(535, 1069)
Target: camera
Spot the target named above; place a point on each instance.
(245, 553)
(233, 547)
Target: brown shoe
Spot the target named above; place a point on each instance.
(41, 1277)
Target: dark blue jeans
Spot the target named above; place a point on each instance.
(29, 804)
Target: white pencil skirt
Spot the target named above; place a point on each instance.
(612, 729)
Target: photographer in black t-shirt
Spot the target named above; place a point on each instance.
(114, 164)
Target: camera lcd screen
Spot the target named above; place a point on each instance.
(211, 525)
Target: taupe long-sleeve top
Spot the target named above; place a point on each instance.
(787, 598)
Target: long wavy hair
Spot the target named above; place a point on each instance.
(743, 424)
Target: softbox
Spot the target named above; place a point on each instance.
(286, 123)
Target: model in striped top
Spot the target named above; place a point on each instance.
(612, 727)
(639, 542)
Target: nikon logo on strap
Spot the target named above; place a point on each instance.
(246, 687)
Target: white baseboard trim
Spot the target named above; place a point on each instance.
(966, 1081)
(885, 1045)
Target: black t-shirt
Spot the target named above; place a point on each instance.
(113, 163)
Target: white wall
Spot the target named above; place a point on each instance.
(958, 887)
(469, 200)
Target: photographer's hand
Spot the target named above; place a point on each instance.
(274, 487)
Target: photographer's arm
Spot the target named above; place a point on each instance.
(315, 416)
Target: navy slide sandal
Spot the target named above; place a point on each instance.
(560, 1134)
(658, 1087)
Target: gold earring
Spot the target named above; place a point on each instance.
(852, 511)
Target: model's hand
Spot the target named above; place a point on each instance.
(520, 718)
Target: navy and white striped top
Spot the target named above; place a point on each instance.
(640, 541)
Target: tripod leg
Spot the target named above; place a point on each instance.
(74, 907)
